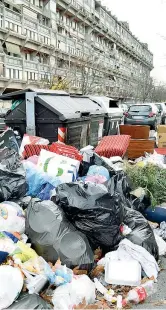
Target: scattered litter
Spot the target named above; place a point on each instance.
(123, 272)
(73, 226)
(72, 294)
(139, 294)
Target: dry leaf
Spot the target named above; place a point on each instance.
(144, 280)
(95, 272)
(78, 272)
(97, 254)
(88, 307)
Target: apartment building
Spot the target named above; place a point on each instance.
(79, 41)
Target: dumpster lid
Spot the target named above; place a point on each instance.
(109, 105)
(63, 105)
(20, 94)
(87, 105)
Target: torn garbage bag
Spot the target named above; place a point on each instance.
(141, 234)
(26, 301)
(12, 176)
(53, 237)
(93, 211)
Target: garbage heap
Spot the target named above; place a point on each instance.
(74, 228)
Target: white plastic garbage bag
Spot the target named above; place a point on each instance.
(72, 294)
(11, 283)
(12, 217)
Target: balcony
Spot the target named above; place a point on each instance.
(31, 65)
(13, 61)
(20, 69)
(24, 25)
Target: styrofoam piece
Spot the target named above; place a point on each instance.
(121, 272)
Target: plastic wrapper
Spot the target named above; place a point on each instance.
(26, 301)
(93, 211)
(53, 237)
(142, 234)
(12, 176)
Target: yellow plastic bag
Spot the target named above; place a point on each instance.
(24, 252)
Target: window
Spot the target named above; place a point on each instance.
(140, 108)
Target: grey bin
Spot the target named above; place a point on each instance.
(43, 112)
(113, 114)
(97, 116)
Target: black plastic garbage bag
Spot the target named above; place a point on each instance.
(93, 211)
(8, 139)
(120, 183)
(140, 203)
(12, 176)
(142, 234)
(26, 301)
(53, 237)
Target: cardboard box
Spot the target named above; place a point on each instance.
(161, 129)
(161, 140)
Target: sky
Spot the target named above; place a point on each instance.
(147, 20)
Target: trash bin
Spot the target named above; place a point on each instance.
(113, 114)
(97, 115)
(53, 115)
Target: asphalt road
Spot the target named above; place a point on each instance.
(156, 301)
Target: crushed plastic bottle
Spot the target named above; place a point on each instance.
(140, 293)
(108, 294)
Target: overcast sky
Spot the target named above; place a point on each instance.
(147, 19)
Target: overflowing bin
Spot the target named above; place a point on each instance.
(55, 116)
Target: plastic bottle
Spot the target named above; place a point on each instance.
(108, 294)
(140, 293)
(100, 287)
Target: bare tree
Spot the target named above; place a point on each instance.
(159, 93)
(144, 87)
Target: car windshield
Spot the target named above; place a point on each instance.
(140, 108)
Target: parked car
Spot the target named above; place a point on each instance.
(162, 109)
(143, 114)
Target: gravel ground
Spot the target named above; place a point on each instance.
(161, 292)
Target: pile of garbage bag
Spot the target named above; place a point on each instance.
(73, 229)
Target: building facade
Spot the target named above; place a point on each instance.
(77, 41)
